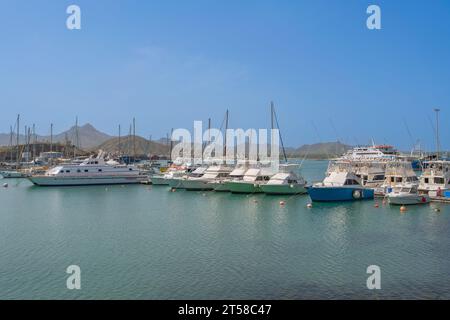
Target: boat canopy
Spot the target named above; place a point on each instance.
(340, 179)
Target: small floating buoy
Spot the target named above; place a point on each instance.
(5, 185)
(376, 205)
(437, 209)
(309, 205)
(403, 209)
(173, 189)
(282, 203)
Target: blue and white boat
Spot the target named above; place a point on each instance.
(340, 185)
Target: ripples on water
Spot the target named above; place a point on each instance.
(146, 242)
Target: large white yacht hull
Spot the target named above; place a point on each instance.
(83, 181)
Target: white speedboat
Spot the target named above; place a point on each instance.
(287, 181)
(213, 173)
(405, 194)
(8, 174)
(92, 171)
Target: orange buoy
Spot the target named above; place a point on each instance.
(403, 209)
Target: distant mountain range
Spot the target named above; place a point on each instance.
(88, 137)
(140, 146)
(319, 150)
(91, 139)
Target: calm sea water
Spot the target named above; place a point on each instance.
(144, 242)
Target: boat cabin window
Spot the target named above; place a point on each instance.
(130, 169)
(426, 180)
(78, 170)
(100, 170)
(378, 177)
(62, 171)
(350, 182)
(67, 171)
(86, 170)
(96, 162)
(292, 181)
(398, 179)
(392, 179)
(439, 180)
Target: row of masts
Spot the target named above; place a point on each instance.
(31, 139)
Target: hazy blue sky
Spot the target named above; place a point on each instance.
(169, 63)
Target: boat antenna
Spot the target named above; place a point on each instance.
(274, 115)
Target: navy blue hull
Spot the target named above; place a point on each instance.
(339, 193)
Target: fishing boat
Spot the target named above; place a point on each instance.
(287, 181)
(177, 182)
(220, 184)
(252, 181)
(212, 173)
(435, 178)
(406, 194)
(92, 171)
(397, 172)
(341, 184)
(172, 172)
(371, 172)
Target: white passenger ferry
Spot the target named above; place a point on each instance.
(92, 171)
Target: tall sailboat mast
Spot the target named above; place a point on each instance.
(17, 140)
(120, 147)
(274, 117)
(51, 137)
(437, 133)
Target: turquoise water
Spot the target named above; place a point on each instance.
(144, 242)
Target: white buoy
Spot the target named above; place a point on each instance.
(282, 203)
(5, 185)
(309, 205)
